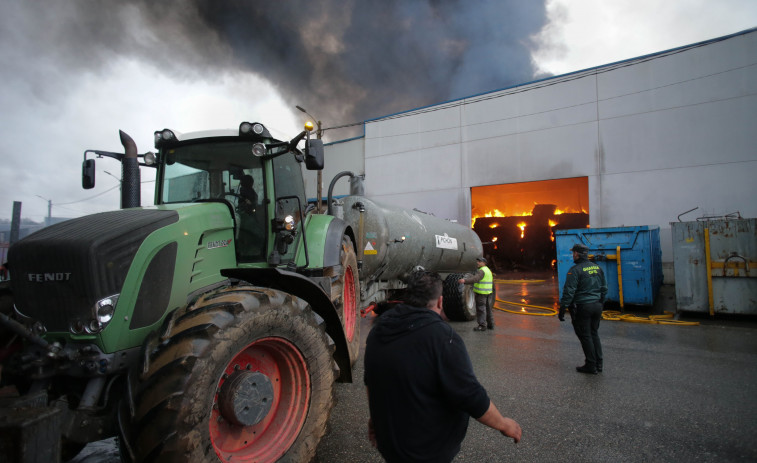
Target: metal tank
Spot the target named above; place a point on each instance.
(392, 241)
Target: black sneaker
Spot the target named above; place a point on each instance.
(479, 328)
(599, 368)
(587, 369)
(491, 327)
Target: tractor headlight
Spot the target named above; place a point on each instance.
(93, 327)
(102, 314)
(105, 309)
(77, 327)
(289, 222)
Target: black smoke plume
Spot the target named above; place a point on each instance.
(344, 60)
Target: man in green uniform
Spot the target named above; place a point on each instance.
(483, 286)
(584, 293)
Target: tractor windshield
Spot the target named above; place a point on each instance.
(220, 170)
(211, 171)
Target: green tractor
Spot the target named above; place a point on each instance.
(212, 325)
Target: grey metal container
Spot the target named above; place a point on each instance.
(715, 266)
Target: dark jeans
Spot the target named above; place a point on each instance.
(484, 315)
(586, 325)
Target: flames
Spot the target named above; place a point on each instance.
(522, 225)
(554, 197)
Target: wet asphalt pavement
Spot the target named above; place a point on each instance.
(667, 393)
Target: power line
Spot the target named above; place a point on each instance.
(98, 194)
(4, 212)
(91, 197)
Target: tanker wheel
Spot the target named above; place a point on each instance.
(348, 289)
(244, 374)
(459, 299)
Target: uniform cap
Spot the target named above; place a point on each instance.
(481, 259)
(580, 248)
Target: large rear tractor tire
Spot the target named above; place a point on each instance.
(347, 290)
(459, 299)
(243, 374)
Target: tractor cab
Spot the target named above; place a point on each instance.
(256, 175)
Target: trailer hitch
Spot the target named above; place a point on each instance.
(53, 349)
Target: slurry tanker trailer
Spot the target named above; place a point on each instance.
(212, 325)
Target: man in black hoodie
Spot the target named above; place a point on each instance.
(420, 381)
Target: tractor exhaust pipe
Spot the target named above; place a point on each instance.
(130, 181)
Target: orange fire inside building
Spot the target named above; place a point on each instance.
(516, 222)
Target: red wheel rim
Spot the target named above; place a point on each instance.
(350, 304)
(268, 440)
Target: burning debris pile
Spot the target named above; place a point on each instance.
(526, 241)
(516, 221)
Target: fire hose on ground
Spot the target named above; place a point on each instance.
(611, 315)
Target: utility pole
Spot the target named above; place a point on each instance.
(49, 211)
(319, 174)
(15, 221)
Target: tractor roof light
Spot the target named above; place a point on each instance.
(253, 129)
(245, 128)
(163, 136)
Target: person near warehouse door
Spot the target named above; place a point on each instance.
(483, 287)
(420, 382)
(584, 295)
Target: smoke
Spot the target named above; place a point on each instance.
(344, 60)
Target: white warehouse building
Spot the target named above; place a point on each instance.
(643, 141)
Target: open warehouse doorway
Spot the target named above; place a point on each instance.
(516, 221)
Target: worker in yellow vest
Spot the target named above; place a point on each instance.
(483, 286)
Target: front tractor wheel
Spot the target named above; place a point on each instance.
(261, 403)
(243, 375)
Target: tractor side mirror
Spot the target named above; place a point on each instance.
(88, 174)
(314, 154)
